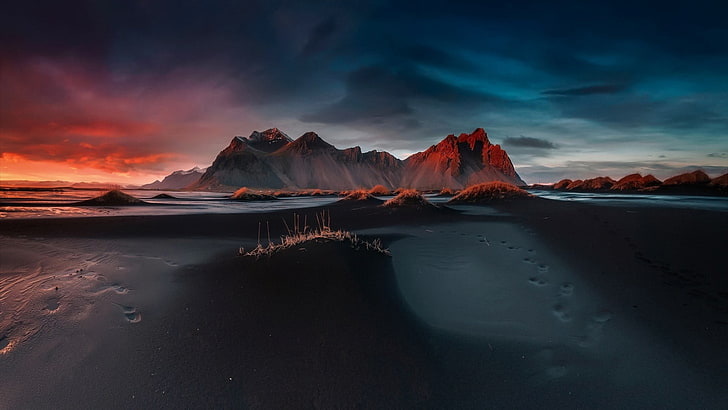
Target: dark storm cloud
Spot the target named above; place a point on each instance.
(528, 142)
(380, 92)
(691, 112)
(587, 90)
(319, 36)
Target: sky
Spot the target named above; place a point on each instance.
(129, 91)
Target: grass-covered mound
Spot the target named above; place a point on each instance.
(489, 191)
(358, 195)
(410, 198)
(113, 198)
(380, 190)
(245, 194)
(299, 235)
(446, 192)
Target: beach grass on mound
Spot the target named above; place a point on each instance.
(302, 233)
(358, 195)
(408, 197)
(489, 191)
(380, 190)
(245, 194)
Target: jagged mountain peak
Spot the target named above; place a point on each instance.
(308, 143)
(479, 135)
(269, 140)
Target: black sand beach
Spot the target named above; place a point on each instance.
(528, 303)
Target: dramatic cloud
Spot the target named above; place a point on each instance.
(319, 36)
(378, 93)
(528, 142)
(64, 112)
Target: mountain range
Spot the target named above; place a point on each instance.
(695, 182)
(271, 159)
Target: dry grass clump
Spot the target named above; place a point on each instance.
(314, 192)
(301, 234)
(408, 198)
(380, 190)
(489, 191)
(446, 192)
(358, 195)
(283, 194)
(245, 194)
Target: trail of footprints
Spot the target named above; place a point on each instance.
(560, 309)
(54, 302)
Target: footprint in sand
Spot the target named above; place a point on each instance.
(566, 289)
(130, 313)
(543, 268)
(602, 316)
(4, 342)
(52, 304)
(121, 290)
(529, 260)
(594, 329)
(561, 312)
(537, 281)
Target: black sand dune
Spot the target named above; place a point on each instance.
(112, 198)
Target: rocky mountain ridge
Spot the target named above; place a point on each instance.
(270, 159)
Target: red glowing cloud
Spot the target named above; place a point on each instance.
(86, 116)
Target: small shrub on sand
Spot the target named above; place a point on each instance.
(245, 194)
(300, 235)
(489, 191)
(408, 198)
(358, 195)
(379, 190)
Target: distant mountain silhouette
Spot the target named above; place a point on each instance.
(696, 182)
(270, 159)
(177, 179)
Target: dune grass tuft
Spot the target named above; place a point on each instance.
(380, 190)
(302, 233)
(489, 191)
(357, 195)
(409, 198)
(446, 192)
(245, 194)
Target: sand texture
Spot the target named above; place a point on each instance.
(517, 304)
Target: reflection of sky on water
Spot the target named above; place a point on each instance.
(183, 203)
(675, 201)
(215, 202)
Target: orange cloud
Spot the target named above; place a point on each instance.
(84, 116)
